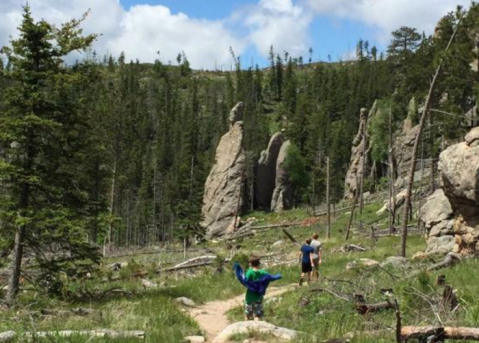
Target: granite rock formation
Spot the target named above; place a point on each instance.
(223, 188)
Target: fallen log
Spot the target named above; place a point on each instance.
(153, 252)
(450, 260)
(439, 333)
(275, 226)
(196, 265)
(107, 333)
(74, 311)
(290, 237)
(319, 289)
(352, 247)
(242, 235)
(363, 308)
(195, 260)
(148, 284)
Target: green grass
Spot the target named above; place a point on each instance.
(157, 313)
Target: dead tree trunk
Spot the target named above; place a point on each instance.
(439, 333)
(348, 230)
(328, 200)
(433, 174)
(373, 308)
(361, 184)
(416, 144)
(238, 203)
(24, 201)
(392, 193)
(111, 207)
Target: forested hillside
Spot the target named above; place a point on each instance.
(117, 152)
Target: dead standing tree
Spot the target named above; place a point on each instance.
(417, 140)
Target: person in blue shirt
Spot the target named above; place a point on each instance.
(306, 258)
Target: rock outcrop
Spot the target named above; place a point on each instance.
(281, 334)
(438, 219)
(360, 142)
(459, 165)
(472, 119)
(403, 148)
(223, 196)
(266, 172)
(282, 198)
(236, 113)
(451, 215)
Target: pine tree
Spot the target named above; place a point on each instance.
(43, 134)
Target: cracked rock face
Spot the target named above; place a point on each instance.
(223, 196)
(266, 172)
(360, 142)
(453, 225)
(438, 219)
(459, 165)
(282, 198)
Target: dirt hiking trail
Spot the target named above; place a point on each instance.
(212, 317)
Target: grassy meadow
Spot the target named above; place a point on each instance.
(320, 315)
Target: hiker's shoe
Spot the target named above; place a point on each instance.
(301, 282)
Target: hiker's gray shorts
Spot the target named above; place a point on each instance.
(254, 310)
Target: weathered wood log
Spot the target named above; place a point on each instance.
(449, 298)
(74, 311)
(319, 289)
(440, 333)
(148, 284)
(160, 251)
(450, 260)
(118, 266)
(111, 334)
(364, 308)
(290, 237)
(242, 235)
(352, 247)
(275, 226)
(196, 265)
(195, 260)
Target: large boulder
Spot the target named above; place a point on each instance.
(266, 172)
(440, 245)
(398, 262)
(359, 146)
(279, 333)
(282, 198)
(459, 165)
(437, 215)
(223, 196)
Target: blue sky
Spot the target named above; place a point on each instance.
(330, 36)
(210, 9)
(206, 29)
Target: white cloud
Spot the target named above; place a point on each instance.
(280, 23)
(140, 31)
(389, 15)
(154, 28)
